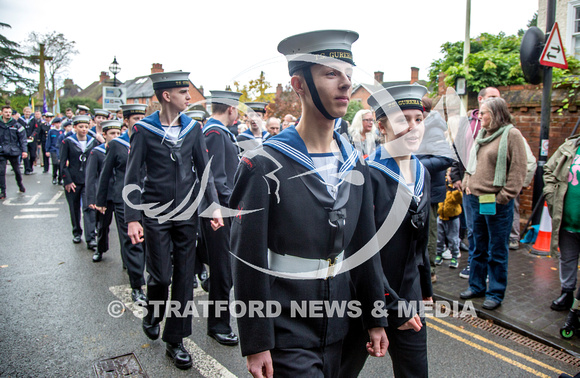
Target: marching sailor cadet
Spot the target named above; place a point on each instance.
(302, 216)
(171, 147)
(223, 150)
(73, 157)
(111, 197)
(97, 131)
(95, 162)
(396, 173)
(52, 148)
(255, 134)
(83, 110)
(42, 134)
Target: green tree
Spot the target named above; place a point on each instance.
(72, 103)
(13, 65)
(494, 61)
(60, 50)
(353, 107)
(255, 90)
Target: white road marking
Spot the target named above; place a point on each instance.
(33, 199)
(53, 199)
(45, 209)
(35, 216)
(203, 362)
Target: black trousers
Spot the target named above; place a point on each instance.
(15, 166)
(75, 200)
(408, 351)
(90, 221)
(159, 239)
(55, 166)
(220, 277)
(133, 255)
(29, 161)
(45, 159)
(103, 225)
(323, 362)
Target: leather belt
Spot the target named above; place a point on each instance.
(293, 264)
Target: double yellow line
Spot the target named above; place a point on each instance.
(489, 351)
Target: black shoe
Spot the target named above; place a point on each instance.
(229, 339)
(205, 285)
(77, 239)
(139, 297)
(21, 188)
(180, 356)
(27, 173)
(60, 182)
(98, 256)
(563, 302)
(468, 294)
(490, 304)
(2, 195)
(53, 181)
(463, 246)
(151, 331)
(92, 244)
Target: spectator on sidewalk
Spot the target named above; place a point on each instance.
(493, 178)
(362, 133)
(458, 170)
(448, 213)
(562, 194)
(436, 155)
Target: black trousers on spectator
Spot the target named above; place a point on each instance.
(15, 166)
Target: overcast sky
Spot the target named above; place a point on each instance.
(223, 41)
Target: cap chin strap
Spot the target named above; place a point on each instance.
(314, 93)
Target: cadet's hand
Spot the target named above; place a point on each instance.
(94, 207)
(47, 154)
(217, 220)
(135, 232)
(414, 323)
(260, 364)
(24, 155)
(100, 138)
(101, 209)
(379, 343)
(457, 185)
(70, 187)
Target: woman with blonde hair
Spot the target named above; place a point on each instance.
(362, 132)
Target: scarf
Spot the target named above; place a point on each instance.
(499, 178)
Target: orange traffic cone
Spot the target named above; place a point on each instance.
(542, 245)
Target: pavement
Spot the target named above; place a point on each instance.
(533, 283)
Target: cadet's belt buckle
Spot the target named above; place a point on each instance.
(330, 270)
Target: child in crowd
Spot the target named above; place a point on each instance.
(448, 224)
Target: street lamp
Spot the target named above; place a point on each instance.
(115, 69)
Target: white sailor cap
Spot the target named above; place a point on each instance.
(102, 112)
(131, 109)
(259, 107)
(81, 119)
(229, 98)
(198, 115)
(112, 124)
(83, 107)
(48, 114)
(304, 49)
(402, 97)
(173, 79)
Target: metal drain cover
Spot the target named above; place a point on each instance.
(122, 366)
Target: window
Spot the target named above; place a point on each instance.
(136, 101)
(573, 28)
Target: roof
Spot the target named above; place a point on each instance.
(139, 87)
(95, 90)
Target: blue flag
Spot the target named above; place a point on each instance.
(44, 106)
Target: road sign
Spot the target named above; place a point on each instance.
(114, 97)
(554, 54)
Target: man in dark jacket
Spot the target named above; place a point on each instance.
(12, 145)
